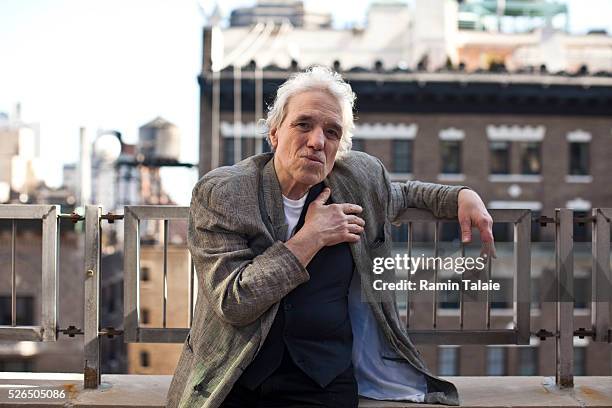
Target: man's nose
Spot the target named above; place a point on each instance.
(316, 138)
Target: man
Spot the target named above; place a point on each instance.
(283, 244)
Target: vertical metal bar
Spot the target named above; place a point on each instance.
(435, 276)
(165, 282)
(410, 243)
(601, 278)
(522, 278)
(91, 338)
(564, 261)
(131, 272)
(461, 306)
(50, 257)
(191, 272)
(13, 278)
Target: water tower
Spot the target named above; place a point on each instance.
(159, 145)
(159, 141)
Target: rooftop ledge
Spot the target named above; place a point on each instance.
(126, 390)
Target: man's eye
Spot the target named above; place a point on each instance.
(333, 133)
(303, 125)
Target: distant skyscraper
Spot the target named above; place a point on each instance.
(19, 157)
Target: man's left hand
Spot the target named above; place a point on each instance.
(473, 213)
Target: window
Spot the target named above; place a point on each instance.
(265, 146)
(531, 157)
(145, 317)
(451, 156)
(24, 309)
(402, 156)
(496, 361)
(399, 233)
(450, 231)
(448, 360)
(449, 299)
(15, 365)
(500, 157)
(111, 300)
(145, 274)
(246, 144)
(358, 145)
(502, 232)
(144, 358)
(582, 292)
(528, 361)
(228, 151)
(579, 360)
(535, 225)
(578, 158)
(582, 231)
(502, 298)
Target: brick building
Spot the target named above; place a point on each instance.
(524, 140)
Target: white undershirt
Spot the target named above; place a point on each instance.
(293, 209)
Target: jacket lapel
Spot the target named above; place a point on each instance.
(273, 201)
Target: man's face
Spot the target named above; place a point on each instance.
(306, 142)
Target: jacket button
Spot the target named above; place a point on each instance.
(288, 306)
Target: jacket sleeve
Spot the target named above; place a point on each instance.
(238, 284)
(440, 199)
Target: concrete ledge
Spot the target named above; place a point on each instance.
(150, 391)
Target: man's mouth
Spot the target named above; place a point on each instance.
(313, 158)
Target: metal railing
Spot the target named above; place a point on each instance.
(134, 333)
(521, 220)
(48, 214)
(133, 215)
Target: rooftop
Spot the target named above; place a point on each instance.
(150, 391)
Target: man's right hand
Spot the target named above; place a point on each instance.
(326, 225)
(334, 223)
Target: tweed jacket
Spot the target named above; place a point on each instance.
(235, 234)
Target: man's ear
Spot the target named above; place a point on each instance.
(273, 138)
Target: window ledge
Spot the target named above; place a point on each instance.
(451, 177)
(578, 179)
(515, 178)
(501, 312)
(400, 176)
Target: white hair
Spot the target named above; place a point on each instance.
(315, 78)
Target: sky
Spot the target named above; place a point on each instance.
(117, 64)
